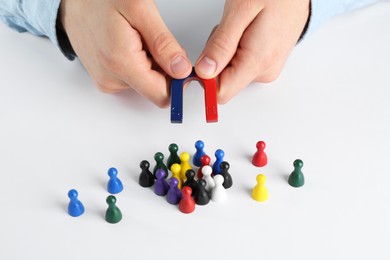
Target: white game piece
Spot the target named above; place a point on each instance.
(218, 193)
(207, 170)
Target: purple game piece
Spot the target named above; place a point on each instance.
(174, 194)
(161, 186)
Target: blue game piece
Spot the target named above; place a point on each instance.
(174, 194)
(75, 207)
(114, 185)
(161, 187)
(219, 154)
(199, 145)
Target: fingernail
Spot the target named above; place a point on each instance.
(207, 66)
(179, 65)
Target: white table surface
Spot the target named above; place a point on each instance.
(330, 107)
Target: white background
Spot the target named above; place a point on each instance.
(330, 107)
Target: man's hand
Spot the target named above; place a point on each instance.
(252, 43)
(125, 44)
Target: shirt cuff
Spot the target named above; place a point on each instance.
(323, 10)
(38, 17)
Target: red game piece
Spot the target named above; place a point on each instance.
(260, 158)
(205, 160)
(187, 203)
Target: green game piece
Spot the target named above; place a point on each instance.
(296, 178)
(113, 213)
(159, 157)
(173, 157)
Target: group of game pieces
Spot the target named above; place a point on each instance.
(260, 159)
(185, 187)
(113, 213)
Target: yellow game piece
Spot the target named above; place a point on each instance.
(260, 192)
(175, 169)
(185, 165)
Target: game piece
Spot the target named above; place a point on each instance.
(202, 196)
(159, 158)
(191, 182)
(210, 90)
(259, 159)
(196, 160)
(205, 160)
(75, 207)
(296, 178)
(175, 169)
(219, 154)
(114, 185)
(174, 193)
(161, 186)
(228, 181)
(185, 165)
(173, 157)
(260, 192)
(113, 213)
(187, 203)
(146, 178)
(218, 193)
(207, 171)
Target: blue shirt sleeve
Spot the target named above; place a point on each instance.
(38, 17)
(324, 10)
(35, 16)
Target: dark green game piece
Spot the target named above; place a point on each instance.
(113, 213)
(159, 157)
(173, 157)
(296, 178)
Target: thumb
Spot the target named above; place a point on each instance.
(224, 39)
(164, 48)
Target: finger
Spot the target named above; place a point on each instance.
(222, 44)
(105, 80)
(108, 84)
(256, 56)
(126, 60)
(263, 50)
(166, 51)
(212, 32)
(234, 78)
